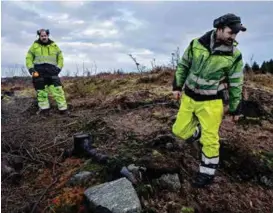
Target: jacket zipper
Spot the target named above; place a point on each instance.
(205, 62)
(201, 61)
(202, 67)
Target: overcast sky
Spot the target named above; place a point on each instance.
(106, 32)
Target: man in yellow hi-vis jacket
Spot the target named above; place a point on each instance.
(44, 61)
(210, 65)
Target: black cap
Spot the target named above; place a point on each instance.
(237, 27)
(230, 20)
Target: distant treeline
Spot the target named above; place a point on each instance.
(265, 67)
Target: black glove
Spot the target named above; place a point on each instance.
(238, 110)
(175, 87)
(31, 70)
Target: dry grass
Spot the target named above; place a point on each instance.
(260, 80)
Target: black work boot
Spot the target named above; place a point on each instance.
(64, 112)
(43, 112)
(201, 180)
(196, 136)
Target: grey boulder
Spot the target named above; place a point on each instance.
(117, 196)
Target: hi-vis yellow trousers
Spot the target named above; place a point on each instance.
(209, 114)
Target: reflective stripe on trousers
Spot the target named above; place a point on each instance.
(42, 97)
(208, 165)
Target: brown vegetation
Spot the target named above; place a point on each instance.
(130, 117)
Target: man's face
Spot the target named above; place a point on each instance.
(226, 35)
(44, 37)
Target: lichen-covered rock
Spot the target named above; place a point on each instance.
(268, 181)
(169, 146)
(117, 196)
(80, 178)
(170, 182)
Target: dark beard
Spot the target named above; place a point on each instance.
(228, 42)
(44, 42)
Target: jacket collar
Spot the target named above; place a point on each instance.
(208, 41)
(41, 43)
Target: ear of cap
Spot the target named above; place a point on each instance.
(39, 31)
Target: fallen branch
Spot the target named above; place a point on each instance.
(54, 145)
(70, 124)
(41, 197)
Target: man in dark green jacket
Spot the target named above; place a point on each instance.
(210, 65)
(44, 61)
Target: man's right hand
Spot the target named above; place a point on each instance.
(35, 74)
(177, 95)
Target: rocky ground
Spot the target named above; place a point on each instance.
(129, 118)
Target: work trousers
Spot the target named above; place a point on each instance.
(209, 114)
(46, 85)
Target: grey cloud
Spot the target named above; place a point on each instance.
(179, 18)
(17, 12)
(164, 26)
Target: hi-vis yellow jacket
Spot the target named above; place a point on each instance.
(205, 68)
(48, 54)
